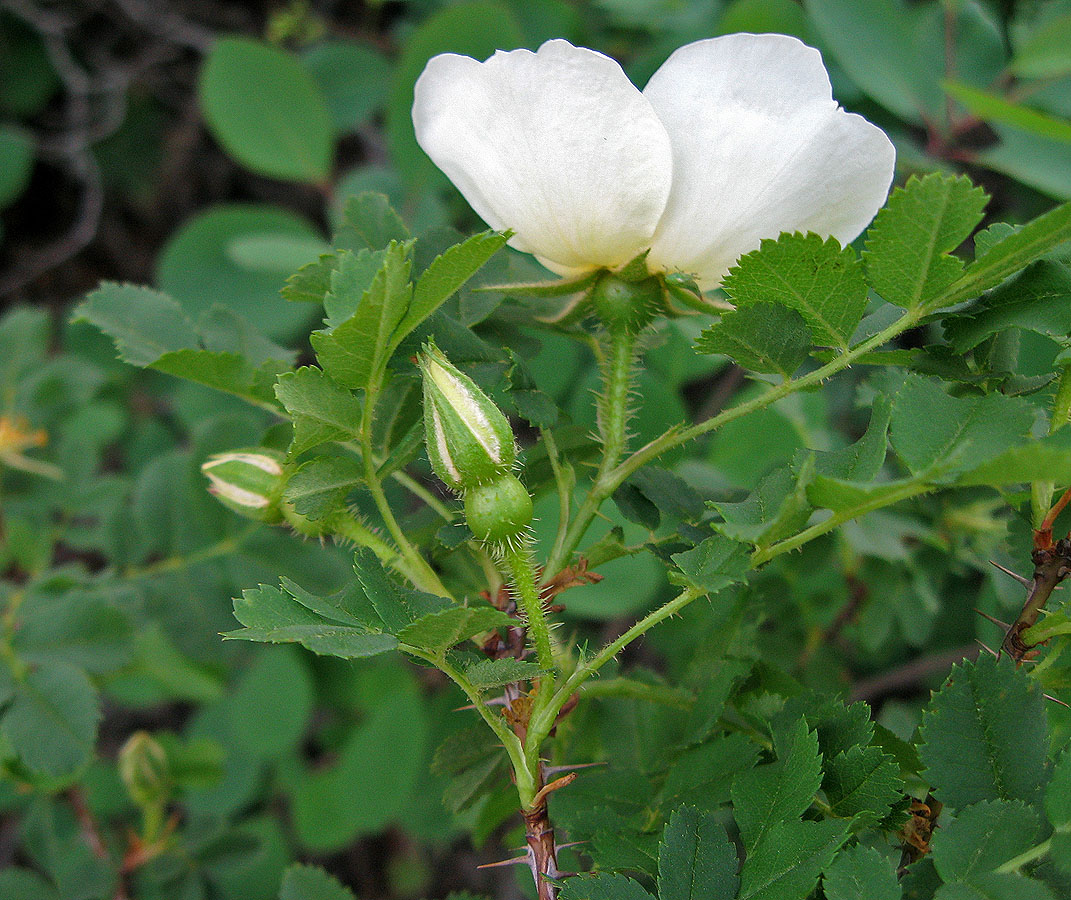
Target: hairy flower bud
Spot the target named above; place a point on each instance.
(248, 481)
(499, 512)
(469, 441)
(144, 769)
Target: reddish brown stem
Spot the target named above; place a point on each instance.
(539, 834)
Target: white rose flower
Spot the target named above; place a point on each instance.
(733, 140)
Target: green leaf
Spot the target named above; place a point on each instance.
(152, 331)
(603, 887)
(714, 564)
(788, 861)
(371, 219)
(908, 245)
(862, 783)
(984, 735)
(322, 409)
(1044, 53)
(1037, 299)
(353, 79)
(348, 606)
(301, 882)
(322, 638)
(52, 721)
(356, 352)
(346, 290)
(265, 109)
(1015, 251)
(320, 485)
(272, 704)
(376, 774)
(397, 606)
(1058, 794)
(26, 884)
(272, 616)
(930, 427)
(763, 337)
(776, 508)
(818, 278)
(1039, 459)
(982, 837)
(696, 859)
(489, 673)
(85, 631)
(779, 792)
(861, 873)
(437, 632)
(445, 275)
(990, 107)
(877, 44)
(995, 886)
(311, 282)
(145, 324)
(863, 460)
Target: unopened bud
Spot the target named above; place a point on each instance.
(469, 441)
(144, 769)
(248, 481)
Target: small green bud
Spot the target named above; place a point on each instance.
(250, 482)
(469, 440)
(628, 305)
(500, 511)
(144, 770)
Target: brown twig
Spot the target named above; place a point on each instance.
(910, 675)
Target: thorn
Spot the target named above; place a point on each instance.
(558, 847)
(555, 770)
(989, 650)
(1056, 700)
(1025, 582)
(988, 617)
(516, 861)
(495, 701)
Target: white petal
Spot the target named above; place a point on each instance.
(557, 145)
(759, 147)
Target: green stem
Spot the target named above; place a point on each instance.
(1028, 856)
(526, 785)
(613, 427)
(911, 489)
(522, 575)
(347, 526)
(565, 486)
(543, 719)
(423, 576)
(610, 480)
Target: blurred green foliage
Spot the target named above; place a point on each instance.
(119, 569)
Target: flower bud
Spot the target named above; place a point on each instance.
(469, 440)
(500, 511)
(248, 481)
(144, 769)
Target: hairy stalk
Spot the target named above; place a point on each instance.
(610, 479)
(347, 526)
(613, 428)
(518, 561)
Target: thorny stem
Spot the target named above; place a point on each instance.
(610, 478)
(350, 528)
(522, 575)
(613, 428)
